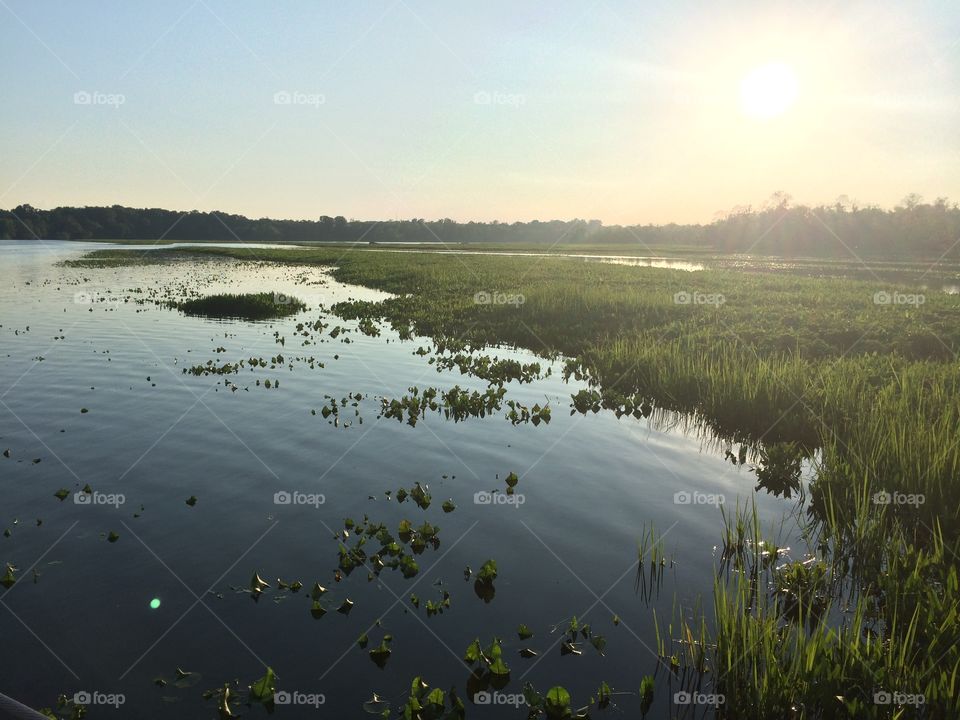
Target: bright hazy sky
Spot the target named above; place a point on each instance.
(629, 112)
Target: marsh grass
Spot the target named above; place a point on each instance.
(790, 642)
(248, 306)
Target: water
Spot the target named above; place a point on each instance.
(657, 262)
(156, 436)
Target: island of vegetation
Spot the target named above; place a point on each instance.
(247, 306)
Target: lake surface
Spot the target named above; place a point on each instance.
(80, 617)
(657, 262)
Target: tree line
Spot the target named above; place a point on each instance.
(912, 228)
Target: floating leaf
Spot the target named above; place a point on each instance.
(488, 571)
(569, 648)
(8, 578)
(186, 679)
(557, 702)
(448, 506)
(258, 584)
(192, 500)
(421, 495)
(533, 698)
(408, 566)
(524, 632)
(61, 494)
(376, 705)
(603, 694)
(599, 642)
(262, 690)
(381, 653)
(437, 698)
(474, 652)
(499, 667)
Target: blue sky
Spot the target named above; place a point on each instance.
(624, 111)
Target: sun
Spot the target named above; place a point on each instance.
(768, 91)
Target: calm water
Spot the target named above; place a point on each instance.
(590, 485)
(657, 262)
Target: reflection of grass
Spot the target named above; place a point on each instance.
(806, 362)
(248, 306)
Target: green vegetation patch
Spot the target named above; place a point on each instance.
(246, 306)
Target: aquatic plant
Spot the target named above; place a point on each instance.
(246, 306)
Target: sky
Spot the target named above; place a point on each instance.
(627, 112)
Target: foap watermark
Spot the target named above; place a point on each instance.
(499, 698)
(95, 697)
(486, 497)
(685, 497)
(99, 498)
(696, 698)
(295, 697)
(298, 498)
(882, 297)
(86, 97)
(485, 297)
(883, 697)
(282, 299)
(95, 297)
(898, 498)
(495, 97)
(295, 97)
(698, 298)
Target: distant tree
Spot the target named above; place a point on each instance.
(913, 228)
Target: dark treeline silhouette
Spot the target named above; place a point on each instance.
(913, 228)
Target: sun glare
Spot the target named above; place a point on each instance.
(768, 91)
